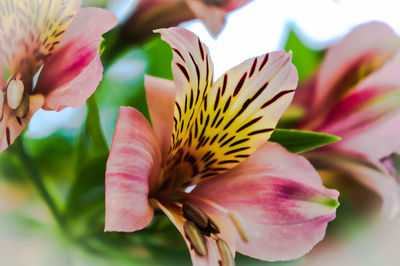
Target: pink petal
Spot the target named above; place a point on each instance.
(132, 169)
(213, 16)
(382, 183)
(11, 126)
(365, 41)
(212, 258)
(75, 67)
(368, 116)
(160, 96)
(282, 200)
(33, 30)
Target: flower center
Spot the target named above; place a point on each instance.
(17, 97)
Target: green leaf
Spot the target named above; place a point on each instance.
(304, 58)
(298, 141)
(159, 55)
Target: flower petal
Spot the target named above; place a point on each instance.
(160, 96)
(238, 114)
(213, 15)
(368, 116)
(281, 199)
(193, 74)
(383, 184)
(175, 215)
(366, 43)
(133, 167)
(24, 46)
(75, 68)
(11, 126)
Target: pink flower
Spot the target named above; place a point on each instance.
(152, 14)
(356, 95)
(250, 195)
(59, 41)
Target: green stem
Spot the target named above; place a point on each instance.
(35, 177)
(93, 125)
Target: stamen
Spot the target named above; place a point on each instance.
(23, 107)
(225, 253)
(212, 227)
(240, 225)
(15, 91)
(195, 238)
(195, 214)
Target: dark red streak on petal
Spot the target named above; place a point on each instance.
(184, 71)
(253, 67)
(276, 97)
(240, 84)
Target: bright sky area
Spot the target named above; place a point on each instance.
(255, 29)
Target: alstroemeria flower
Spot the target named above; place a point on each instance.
(356, 95)
(151, 14)
(250, 196)
(55, 40)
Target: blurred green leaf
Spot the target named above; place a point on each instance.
(298, 141)
(304, 58)
(159, 55)
(88, 191)
(54, 155)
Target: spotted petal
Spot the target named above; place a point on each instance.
(281, 199)
(193, 73)
(31, 30)
(237, 115)
(132, 169)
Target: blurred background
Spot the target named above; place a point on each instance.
(69, 150)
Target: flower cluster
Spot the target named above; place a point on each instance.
(207, 158)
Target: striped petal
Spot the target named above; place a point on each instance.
(362, 51)
(73, 72)
(193, 74)
(281, 199)
(133, 167)
(31, 30)
(237, 115)
(369, 116)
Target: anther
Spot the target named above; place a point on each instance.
(212, 227)
(240, 225)
(1, 104)
(15, 92)
(225, 253)
(195, 214)
(195, 238)
(23, 107)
